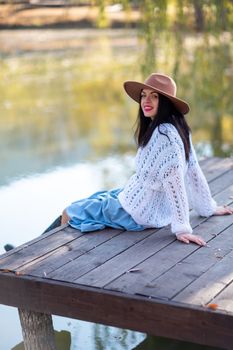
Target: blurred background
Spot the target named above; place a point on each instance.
(66, 125)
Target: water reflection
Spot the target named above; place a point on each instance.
(158, 343)
(51, 192)
(58, 108)
(115, 338)
(62, 338)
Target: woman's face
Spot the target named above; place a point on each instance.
(149, 102)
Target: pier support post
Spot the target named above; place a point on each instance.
(37, 329)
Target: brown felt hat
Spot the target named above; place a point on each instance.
(160, 83)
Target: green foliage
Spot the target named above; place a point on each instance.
(49, 104)
(102, 21)
(72, 105)
(153, 20)
(185, 15)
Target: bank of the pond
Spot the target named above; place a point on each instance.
(26, 16)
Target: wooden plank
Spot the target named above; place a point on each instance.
(68, 252)
(224, 299)
(221, 189)
(76, 268)
(143, 282)
(30, 261)
(124, 268)
(190, 268)
(127, 260)
(210, 164)
(64, 252)
(217, 168)
(225, 196)
(205, 162)
(222, 198)
(153, 267)
(100, 259)
(50, 245)
(221, 183)
(134, 256)
(204, 289)
(38, 247)
(65, 227)
(199, 325)
(131, 258)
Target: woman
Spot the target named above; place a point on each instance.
(167, 175)
(167, 172)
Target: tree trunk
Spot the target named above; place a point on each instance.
(199, 16)
(37, 329)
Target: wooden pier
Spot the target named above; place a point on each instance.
(145, 281)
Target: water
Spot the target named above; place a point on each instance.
(49, 196)
(66, 131)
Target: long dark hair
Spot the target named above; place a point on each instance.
(167, 113)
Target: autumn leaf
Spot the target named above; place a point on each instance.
(212, 306)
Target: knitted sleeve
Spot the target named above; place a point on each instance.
(198, 188)
(176, 193)
(172, 166)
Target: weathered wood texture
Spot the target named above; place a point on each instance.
(146, 281)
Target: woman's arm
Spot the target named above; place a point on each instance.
(167, 166)
(200, 198)
(174, 187)
(167, 162)
(198, 188)
(175, 190)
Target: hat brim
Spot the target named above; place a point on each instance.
(134, 88)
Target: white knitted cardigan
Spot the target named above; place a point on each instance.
(164, 185)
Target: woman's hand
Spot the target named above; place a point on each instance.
(223, 210)
(189, 237)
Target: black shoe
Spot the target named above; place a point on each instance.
(8, 247)
(55, 224)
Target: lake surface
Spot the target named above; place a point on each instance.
(66, 130)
